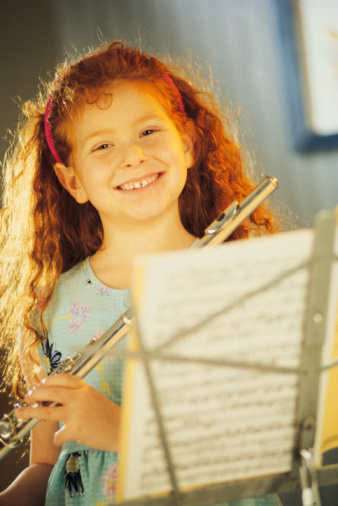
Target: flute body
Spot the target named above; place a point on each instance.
(13, 430)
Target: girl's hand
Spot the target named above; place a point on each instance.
(88, 416)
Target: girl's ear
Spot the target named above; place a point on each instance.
(70, 181)
(188, 146)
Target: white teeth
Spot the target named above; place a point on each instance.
(138, 184)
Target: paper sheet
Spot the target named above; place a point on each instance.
(327, 430)
(222, 422)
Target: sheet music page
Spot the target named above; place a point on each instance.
(242, 303)
(327, 431)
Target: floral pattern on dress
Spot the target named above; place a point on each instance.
(109, 481)
(79, 313)
(105, 387)
(73, 480)
(102, 290)
(52, 356)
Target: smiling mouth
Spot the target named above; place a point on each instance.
(142, 183)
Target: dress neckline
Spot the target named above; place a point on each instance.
(93, 280)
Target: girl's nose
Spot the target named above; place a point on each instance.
(133, 156)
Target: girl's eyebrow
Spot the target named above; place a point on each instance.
(96, 133)
(149, 117)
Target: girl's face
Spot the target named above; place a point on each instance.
(129, 159)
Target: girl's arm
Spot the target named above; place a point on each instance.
(30, 486)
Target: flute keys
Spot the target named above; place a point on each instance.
(6, 428)
(67, 365)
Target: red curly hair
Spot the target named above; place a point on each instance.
(39, 241)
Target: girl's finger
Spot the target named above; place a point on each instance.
(47, 413)
(64, 380)
(50, 394)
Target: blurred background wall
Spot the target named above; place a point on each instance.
(245, 42)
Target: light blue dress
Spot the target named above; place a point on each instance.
(82, 308)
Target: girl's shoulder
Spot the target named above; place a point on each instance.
(73, 275)
(75, 279)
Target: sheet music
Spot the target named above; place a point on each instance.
(327, 431)
(222, 422)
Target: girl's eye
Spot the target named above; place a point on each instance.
(103, 146)
(149, 131)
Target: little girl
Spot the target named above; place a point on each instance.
(120, 156)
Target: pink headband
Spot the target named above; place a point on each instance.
(48, 130)
(173, 85)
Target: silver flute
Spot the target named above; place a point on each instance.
(13, 429)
